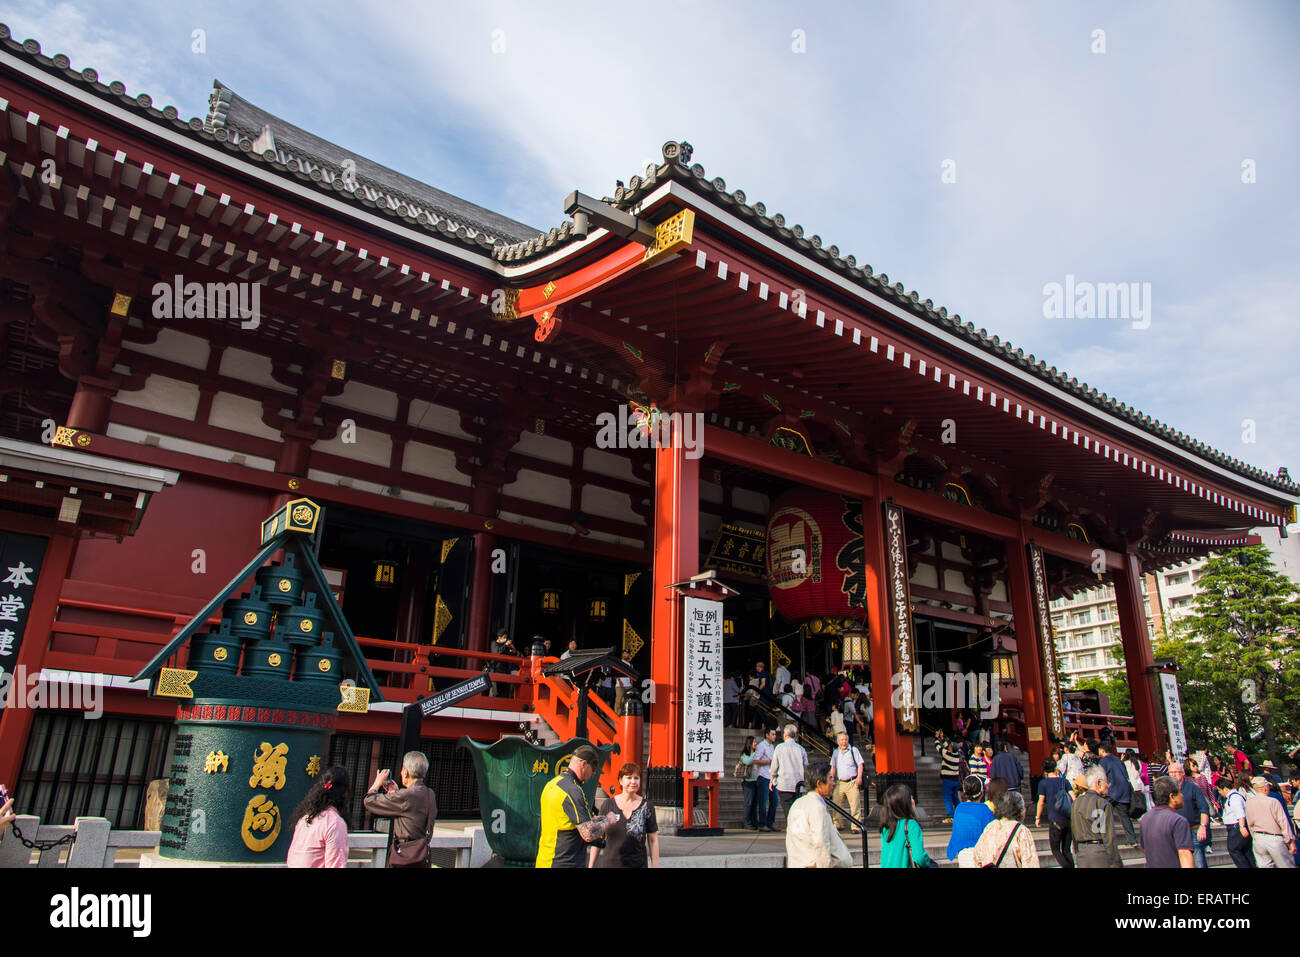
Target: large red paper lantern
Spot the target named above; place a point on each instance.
(815, 556)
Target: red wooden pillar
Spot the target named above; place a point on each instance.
(1025, 615)
(1137, 654)
(895, 761)
(90, 405)
(480, 594)
(16, 722)
(676, 558)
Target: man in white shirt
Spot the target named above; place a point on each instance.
(788, 763)
(810, 838)
(847, 769)
(1234, 820)
(763, 793)
(782, 678)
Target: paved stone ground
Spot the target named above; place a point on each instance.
(749, 849)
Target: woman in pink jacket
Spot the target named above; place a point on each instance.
(320, 835)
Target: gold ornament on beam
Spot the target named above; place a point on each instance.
(447, 545)
(778, 658)
(631, 640)
(441, 619)
(629, 580)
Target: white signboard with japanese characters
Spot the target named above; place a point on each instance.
(20, 563)
(1174, 716)
(702, 725)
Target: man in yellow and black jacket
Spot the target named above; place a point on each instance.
(567, 826)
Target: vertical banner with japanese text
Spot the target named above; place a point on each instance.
(1174, 716)
(702, 690)
(20, 564)
(900, 605)
(1046, 643)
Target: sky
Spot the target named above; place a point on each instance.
(977, 153)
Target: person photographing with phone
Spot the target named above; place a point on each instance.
(568, 827)
(412, 808)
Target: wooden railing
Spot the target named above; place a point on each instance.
(404, 671)
(555, 701)
(1122, 726)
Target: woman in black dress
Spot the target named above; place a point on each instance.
(633, 840)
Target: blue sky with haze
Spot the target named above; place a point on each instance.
(1122, 166)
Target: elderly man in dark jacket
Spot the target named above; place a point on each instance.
(412, 808)
(1120, 792)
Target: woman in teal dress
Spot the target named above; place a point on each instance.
(901, 842)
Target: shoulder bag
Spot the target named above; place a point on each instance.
(1011, 837)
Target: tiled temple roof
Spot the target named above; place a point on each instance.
(675, 167)
(237, 125)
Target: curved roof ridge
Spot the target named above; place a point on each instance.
(676, 156)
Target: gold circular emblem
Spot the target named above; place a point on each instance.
(488, 524)
(293, 483)
(302, 515)
(305, 624)
(324, 664)
(285, 584)
(219, 654)
(274, 659)
(250, 618)
(83, 440)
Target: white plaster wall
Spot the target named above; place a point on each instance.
(435, 418)
(710, 492)
(605, 463)
(366, 398)
(251, 368)
(188, 350)
(953, 581)
(754, 501)
(539, 487)
(925, 575)
(239, 414)
(373, 447)
(545, 447)
(427, 460)
(163, 395)
(609, 504)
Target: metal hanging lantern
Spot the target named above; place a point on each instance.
(857, 653)
(550, 601)
(1002, 663)
(385, 573)
(597, 610)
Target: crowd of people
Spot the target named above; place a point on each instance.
(1088, 788)
(838, 702)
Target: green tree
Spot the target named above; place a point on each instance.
(1239, 654)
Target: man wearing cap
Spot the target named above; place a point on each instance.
(567, 825)
(1270, 836)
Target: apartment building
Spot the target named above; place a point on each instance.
(1087, 631)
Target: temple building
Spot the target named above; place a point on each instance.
(557, 431)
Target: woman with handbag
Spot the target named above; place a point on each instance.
(748, 775)
(1007, 842)
(901, 841)
(320, 834)
(412, 808)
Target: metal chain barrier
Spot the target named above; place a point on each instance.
(41, 845)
